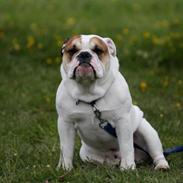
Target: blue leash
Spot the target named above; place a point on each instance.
(105, 125)
(172, 150)
(111, 130)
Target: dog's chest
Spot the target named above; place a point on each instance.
(87, 125)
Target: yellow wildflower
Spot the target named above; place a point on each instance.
(16, 44)
(48, 100)
(143, 86)
(146, 35)
(125, 30)
(165, 82)
(70, 21)
(49, 61)
(163, 23)
(2, 34)
(178, 105)
(180, 82)
(157, 41)
(40, 46)
(30, 41)
(176, 21)
(59, 40)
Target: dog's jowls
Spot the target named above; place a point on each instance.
(90, 71)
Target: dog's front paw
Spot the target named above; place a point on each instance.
(66, 165)
(162, 164)
(127, 165)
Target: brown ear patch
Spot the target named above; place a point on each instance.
(70, 47)
(69, 43)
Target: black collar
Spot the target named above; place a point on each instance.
(92, 103)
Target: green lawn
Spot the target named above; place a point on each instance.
(149, 37)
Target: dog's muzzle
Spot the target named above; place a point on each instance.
(84, 68)
(84, 57)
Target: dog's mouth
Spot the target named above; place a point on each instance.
(84, 70)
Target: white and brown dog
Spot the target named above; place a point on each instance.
(90, 72)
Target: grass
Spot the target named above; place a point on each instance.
(31, 33)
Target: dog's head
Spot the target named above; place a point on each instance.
(86, 58)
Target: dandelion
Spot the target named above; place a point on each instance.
(125, 31)
(163, 23)
(133, 39)
(49, 61)
(176, 21)
(30, 41)
(158, 41)
(16, 44)
(59, 40)
(143, 86)
(178, 105)
(48, 100)
(165, 82)
(180, 82)
(146, 35)
(2, 34)
(70, 21)
(40, 46)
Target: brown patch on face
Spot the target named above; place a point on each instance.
(70, 47)
(100, 48)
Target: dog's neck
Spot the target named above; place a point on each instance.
(93, 92)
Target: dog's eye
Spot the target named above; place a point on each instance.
(98, 50)
(72, 51)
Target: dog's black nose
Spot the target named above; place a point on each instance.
(84, 57)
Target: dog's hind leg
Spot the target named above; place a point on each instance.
(153, 143)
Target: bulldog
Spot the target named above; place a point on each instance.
(91, 80)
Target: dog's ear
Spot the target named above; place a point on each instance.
(64, 45)
(111, 46)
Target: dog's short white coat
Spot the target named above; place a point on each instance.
(115, 104)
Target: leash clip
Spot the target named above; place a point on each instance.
(103, 123)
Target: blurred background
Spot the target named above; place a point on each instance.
(149, 40)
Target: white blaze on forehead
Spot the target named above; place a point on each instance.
(85, 39)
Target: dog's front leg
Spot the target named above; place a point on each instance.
(67, 136)
(125, 139)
